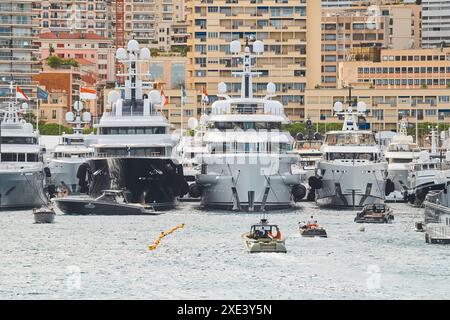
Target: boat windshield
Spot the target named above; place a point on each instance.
(350, 138)
(351, 156)
(403, 148)
(262, 231)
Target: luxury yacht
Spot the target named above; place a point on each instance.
(352, 172)
(70, 153)
(248, 164)
(400, 153)
(428, 172)
(22, 175)
(133, 146)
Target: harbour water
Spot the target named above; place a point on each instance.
(100, 257)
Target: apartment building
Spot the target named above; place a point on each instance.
(359, 32)
(386, 107)
(290, 31)
(18, 55)
(436, 23)
(87, 16)
(54, 109)
(64, 79)
(81, 46)
(400, 69)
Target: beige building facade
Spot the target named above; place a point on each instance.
(385, 107)
(359, 32)
(283, 26)
(410, 69)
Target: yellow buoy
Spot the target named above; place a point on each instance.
(162, 235)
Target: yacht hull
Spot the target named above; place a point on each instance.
(150, 181)
(65, 173)
(23, 189)
(249, 185)
(89, 206)
(350, 185)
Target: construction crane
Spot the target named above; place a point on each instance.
(120, 35)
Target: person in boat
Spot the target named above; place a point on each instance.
(312, 223)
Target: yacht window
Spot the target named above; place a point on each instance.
(21, 157)
(32, 157)
(114, 131)
(350, 139)
(123, 130)
(140, 130)
(399, 160)
(350, 156)
(18, 140)
(9, 157)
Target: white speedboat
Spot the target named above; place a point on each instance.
(264, 237)
(352, 171)
(248, 164)
(22, 175)
(133, 145)
(70, 153)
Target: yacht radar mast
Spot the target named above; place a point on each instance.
(350, 116)
(247, 56)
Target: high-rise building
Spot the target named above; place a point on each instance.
(435, 23)
(358, 33)
(290, 31)
(88, 16)
(18, 55)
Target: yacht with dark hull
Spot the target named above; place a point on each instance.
(133, 146)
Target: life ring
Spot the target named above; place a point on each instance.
(277, 237)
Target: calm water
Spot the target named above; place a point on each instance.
(95, 257)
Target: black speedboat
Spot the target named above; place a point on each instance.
(111, 202)
(375, 213)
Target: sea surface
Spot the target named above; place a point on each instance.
(104, 257)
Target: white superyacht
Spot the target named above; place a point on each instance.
(70, 153)
(21, 161)
(352, 172)
(248, 164)
(400, 153)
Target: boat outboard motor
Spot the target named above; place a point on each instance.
(390, 187)
(299, 192)
(195, 190)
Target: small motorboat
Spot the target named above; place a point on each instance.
(264, 237)
(111, 202)
(375, 213)
(44, 215)
(312, 230)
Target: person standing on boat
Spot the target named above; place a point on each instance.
(312, 222)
